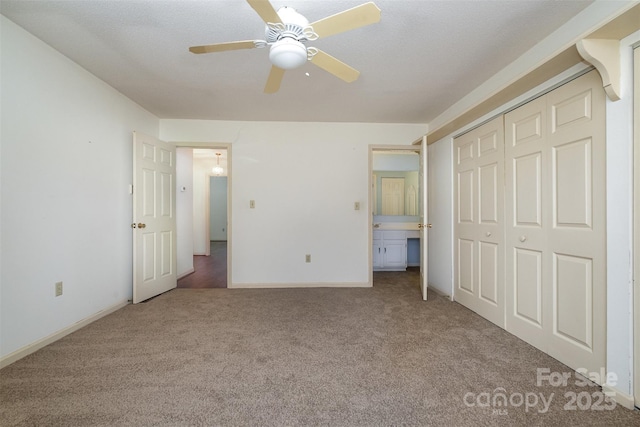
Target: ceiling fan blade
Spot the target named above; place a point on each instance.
(274, 80)
(335, 66)
(221, 47)
(265, 10)
(350, 19)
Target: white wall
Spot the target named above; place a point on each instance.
(440, 193)
(304, 178)
(383, 161)
(620, 224)
(184, 211)
(65, 172)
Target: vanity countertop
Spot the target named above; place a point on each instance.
(408, 226)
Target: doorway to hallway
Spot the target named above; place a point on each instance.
(210, 271)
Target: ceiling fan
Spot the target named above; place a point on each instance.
(287, 33)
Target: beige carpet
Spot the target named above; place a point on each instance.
(343, 357)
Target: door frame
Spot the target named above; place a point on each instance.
(636, 227)
(422, 191)
(219, 146)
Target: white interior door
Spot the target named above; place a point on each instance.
(555, 234)
(479, 212)
(577, 241)
(527, 229)
(424, 218)
(154, 218)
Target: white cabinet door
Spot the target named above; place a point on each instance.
(378, 259)
(395, 253)
(390, 250)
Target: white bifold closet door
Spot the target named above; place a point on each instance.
(555, 223)
(479, 227)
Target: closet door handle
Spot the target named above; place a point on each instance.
(523, 238)
(488, 234)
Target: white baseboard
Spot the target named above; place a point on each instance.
(186, 273)
(37, 345)
(300, 285)
(621, 398)
(439, 292)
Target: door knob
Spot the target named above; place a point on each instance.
(141, 225)
(488, 234)
(523, 238)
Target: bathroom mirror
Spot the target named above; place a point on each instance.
(395, 184)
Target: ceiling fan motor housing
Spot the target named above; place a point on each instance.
(287, 39)
(293, 25)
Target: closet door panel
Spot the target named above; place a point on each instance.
(555, 238)
(489, 194)
(526, 221)
(466, 270)
(489, 263)
(573, 289)
(465, 197)
(527, 280)
(527, 190)
(572, 185)
(577, 239)
(479, 207)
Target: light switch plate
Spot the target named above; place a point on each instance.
(58, 289)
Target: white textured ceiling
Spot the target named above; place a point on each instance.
(422, 56)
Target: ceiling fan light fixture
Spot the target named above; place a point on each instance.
(288, 53)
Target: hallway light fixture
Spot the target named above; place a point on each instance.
(217, 169)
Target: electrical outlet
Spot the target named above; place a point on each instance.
(58, 289)
(307, 258)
